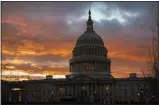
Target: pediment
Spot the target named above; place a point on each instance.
(82, 77)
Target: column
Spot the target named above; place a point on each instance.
(91, 88)
(65, 85)
(100, 89)
(103, 67)
(113, 93)
(83, 67)
(96, 88)
(76, 89)
(109, 67)
(99, 66)
(87, 89)
(104, 90)
(72, 66)
(75, 67)
(68, 89)
(20, 96)
(10, 95)
(88, 64)
(52, 90)
(79, 66)
(108, 94)
(96, 65)
(106, 67)
(80, 89)
(71, 89)
(56, 89)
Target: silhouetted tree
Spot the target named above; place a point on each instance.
(5, 67)
(152, 69)
(151, 73)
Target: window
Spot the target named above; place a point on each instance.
(90, 66)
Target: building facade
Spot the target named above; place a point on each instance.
(90, 79)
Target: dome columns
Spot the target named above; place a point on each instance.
(89, 66)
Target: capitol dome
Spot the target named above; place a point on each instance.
(89, 38)
(89, 56)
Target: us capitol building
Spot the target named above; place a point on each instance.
(90, 79)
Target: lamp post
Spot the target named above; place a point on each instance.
(107, 92)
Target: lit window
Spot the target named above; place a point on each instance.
(15, 89)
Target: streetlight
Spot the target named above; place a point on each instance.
(95, 91)
(107, 87)
(83, 87)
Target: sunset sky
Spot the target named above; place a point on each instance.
(38, 37)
